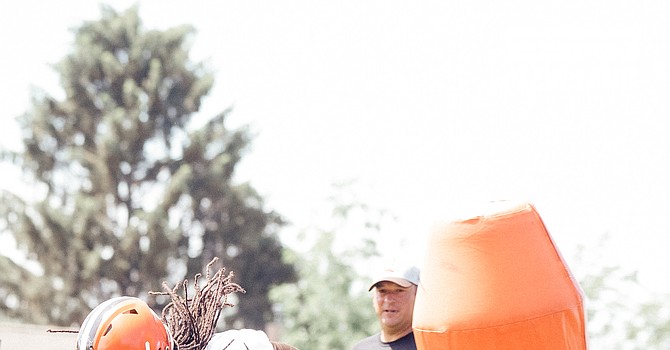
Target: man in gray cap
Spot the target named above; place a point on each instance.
(393, 301)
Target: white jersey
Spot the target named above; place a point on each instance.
(240, 339)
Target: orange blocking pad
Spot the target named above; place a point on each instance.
(497, 281)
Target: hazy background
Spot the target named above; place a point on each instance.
(431, 106)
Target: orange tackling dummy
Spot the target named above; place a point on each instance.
(497, 281)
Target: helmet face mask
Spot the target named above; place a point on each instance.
(123, 323)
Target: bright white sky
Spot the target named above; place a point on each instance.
(430, 105)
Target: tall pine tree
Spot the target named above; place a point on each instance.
(126, 193)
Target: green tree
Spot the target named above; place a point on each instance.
(329, 307)
(621, 312)
(126, 191)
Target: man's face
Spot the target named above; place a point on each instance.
(394, 306)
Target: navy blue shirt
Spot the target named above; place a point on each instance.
(375, 343)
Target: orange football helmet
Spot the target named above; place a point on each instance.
(123, 323)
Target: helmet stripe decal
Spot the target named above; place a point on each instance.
(92, 322)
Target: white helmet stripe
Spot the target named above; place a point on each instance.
(92, 322)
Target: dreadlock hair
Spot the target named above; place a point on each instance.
(192, 321)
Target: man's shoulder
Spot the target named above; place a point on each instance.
(374, 342)
(370, 343)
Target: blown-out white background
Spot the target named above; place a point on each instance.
(431, 106)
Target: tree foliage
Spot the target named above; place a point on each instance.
(621, 312)
(329, 307)
(126, 191)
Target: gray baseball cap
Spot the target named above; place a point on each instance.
(402, 276)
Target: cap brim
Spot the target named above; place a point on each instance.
(399, 281)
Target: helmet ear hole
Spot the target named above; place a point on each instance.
(107, 330)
